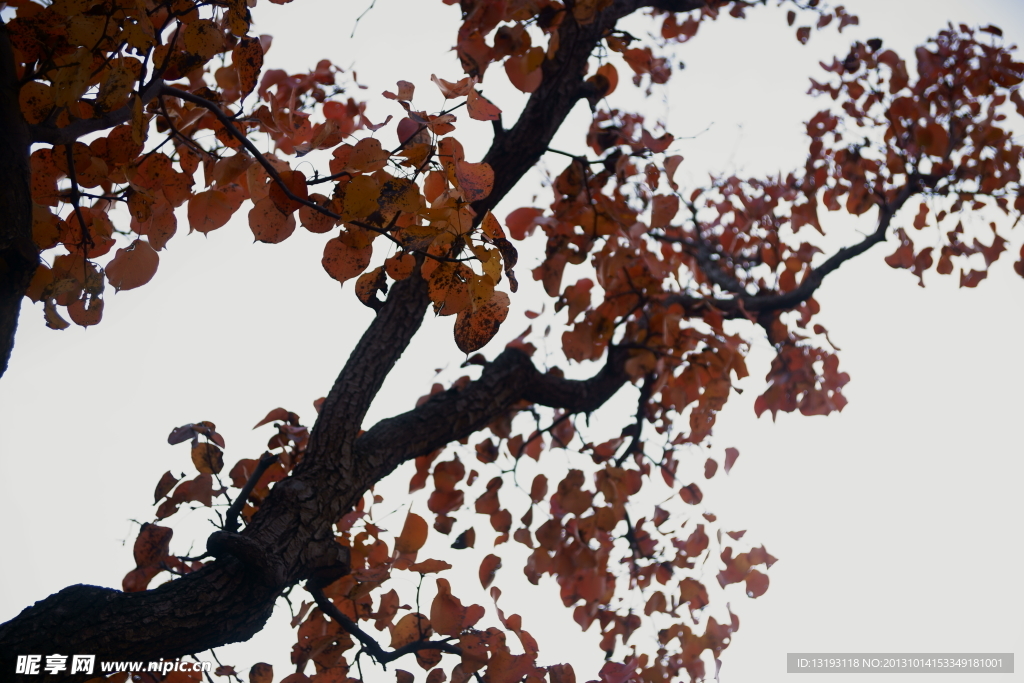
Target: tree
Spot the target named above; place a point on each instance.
(668, 339)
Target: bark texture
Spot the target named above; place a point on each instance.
(18, 254)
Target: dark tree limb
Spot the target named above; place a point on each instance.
(231, 518)
(18, 254)
(768, 302)
(458, 413)
(51, 134)
(636, 443)
(677, 5)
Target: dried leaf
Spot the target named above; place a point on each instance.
(474, 328)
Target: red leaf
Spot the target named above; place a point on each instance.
(429, 566)
(730, 458)
(691, 494)
(757, 583)
(275, 415)
(488, 568)
(710, 467)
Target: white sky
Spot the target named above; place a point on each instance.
(897, 522)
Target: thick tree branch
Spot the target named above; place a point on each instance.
(231, 518)
(18, 254)
(519, 148)
(51, 134)
(677, 5)
(458, 413)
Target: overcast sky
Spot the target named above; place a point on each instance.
(897, 523)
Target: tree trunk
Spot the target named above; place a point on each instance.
(18, 254)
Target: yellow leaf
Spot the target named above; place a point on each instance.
(138, 122)
(36, 99)
(115, 89)
(203, 38)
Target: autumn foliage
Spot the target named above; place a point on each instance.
(142, 114)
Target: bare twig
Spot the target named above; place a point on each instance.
(371, 646)
(635, 446)
(75, 195)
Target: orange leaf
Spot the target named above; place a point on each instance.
(267, 222)
(247, 57)
(446, 611)
(275, 415)
(132, 266)
(343, 259)
(361, 194)
(405, 92)
(368, 284)
(473, 329)
(209, 210)
(400, 266)
(164, 486)
(491, 227)
(313, 220)
(86, 312)
(414, 534)
(475, 180)
(522, 221)
(481, 108)
(368, 156)
(207, 458)
(152, 545)
(452, 90)
(519, 73)
(611, 74)
(429, 567)
(410, 628)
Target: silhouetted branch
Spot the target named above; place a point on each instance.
(231, 520)
(370, 645)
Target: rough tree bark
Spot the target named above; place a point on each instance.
(18, 254)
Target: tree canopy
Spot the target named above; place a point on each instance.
(121, 105)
